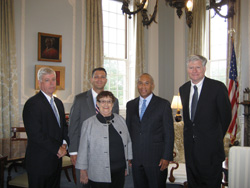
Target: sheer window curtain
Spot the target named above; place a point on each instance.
(196, 38)
(94, 40)
(9, 115)
(140, 48)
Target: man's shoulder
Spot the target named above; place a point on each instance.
(187, 84)
(83, 94)
(159, 99)
(133, 101)
(213, 83)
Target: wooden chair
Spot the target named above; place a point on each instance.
(3, 161)
(66, 162)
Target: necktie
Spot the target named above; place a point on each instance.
(55, 111)
(194, 102)
(96, 109)
(143, 108)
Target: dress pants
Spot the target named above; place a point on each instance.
(50, 179)
(207, 175)
(149, 177)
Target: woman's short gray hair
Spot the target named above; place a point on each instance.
(193, 58)
(43, 71)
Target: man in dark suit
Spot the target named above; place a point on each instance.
(150, 123)
(207, 115)
(47, 133)
(84, 106)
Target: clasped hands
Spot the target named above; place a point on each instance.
(62, 151)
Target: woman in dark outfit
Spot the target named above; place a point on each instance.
(105, 147)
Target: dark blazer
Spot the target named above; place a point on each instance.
(153, 136)
(211, 121)
(44, 134)
(83, 107)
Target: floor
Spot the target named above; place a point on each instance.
(66, 184)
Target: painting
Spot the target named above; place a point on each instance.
(49, 47)
(60, 76)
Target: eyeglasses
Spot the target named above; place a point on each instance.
(103, 102)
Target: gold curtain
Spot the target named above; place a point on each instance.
(196, 38)
(94, 40)
(140, 49)
(9, 115)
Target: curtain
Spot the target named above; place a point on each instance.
(9, 115)
(140, 49)
(196, 38)
(234, 24)
(94, 40)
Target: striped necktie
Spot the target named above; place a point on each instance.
(97, 109)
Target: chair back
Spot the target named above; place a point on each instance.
(239, 167)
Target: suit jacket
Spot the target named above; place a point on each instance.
(211, 121)
(153, 136)
(83, 107)
(44, 134)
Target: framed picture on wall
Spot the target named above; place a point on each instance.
(60, 76)
(49, 47)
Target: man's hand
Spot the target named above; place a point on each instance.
(73, 159)
(130, 163)
(61, 152)
(84, 176)
(163, 164)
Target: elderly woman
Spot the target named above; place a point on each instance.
(105, 147)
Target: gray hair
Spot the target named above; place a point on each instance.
(146, 75)
(193, 58)
(44, 71)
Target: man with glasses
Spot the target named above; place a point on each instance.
(84, 106)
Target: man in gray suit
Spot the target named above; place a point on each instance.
(84, 106)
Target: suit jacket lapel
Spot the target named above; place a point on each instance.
(186, 99)
(137, 107)
(202, 95)
(90, 101)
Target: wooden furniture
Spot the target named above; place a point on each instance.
(3, 161)
(246, 105)
(177, 169)
(66, 164)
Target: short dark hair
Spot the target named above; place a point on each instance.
(99, 69)
(105, 94)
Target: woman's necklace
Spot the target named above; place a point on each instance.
(109, 120)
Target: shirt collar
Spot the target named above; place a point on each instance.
(148, 99)
(47, 96)
(199, 84)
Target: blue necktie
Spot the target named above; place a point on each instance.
(97, 109)
(143, 108)
(194, 102)
(55, 111)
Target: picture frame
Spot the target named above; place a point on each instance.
(60, 76)
(49, 47)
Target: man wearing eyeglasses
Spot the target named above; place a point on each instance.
(84, 106)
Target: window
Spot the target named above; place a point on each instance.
(116, 60)
(216, 52)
